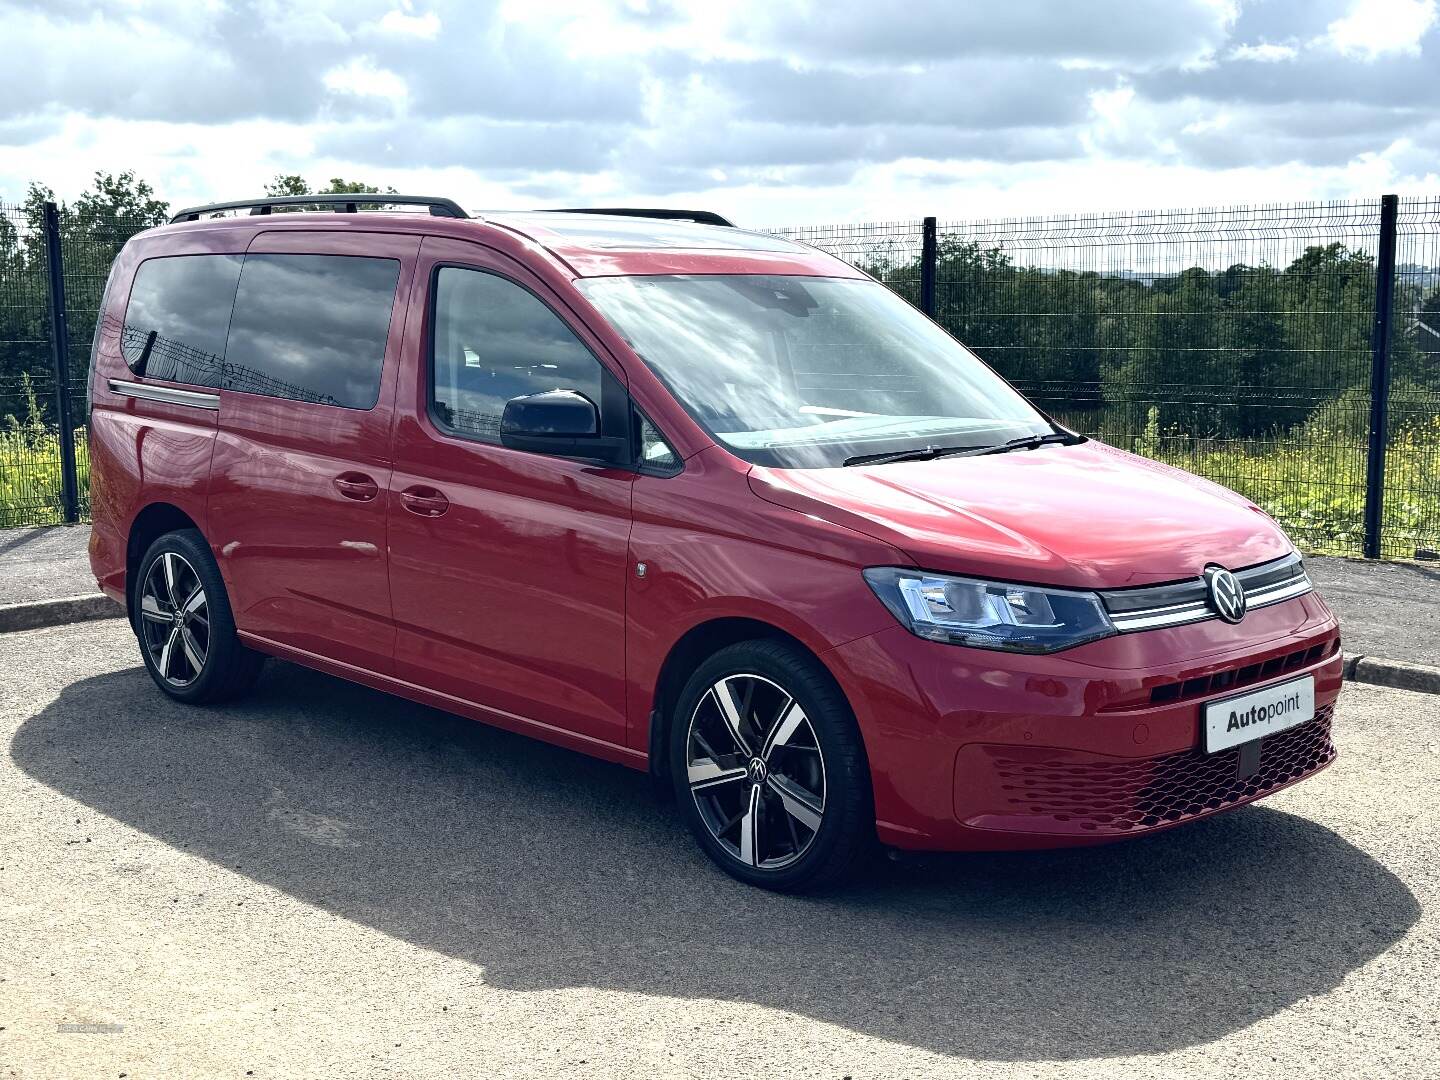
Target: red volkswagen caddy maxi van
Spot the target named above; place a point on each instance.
(694, 500)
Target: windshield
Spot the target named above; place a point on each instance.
(803, 372)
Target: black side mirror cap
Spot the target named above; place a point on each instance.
(561, 422)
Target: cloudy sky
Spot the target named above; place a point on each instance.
(773, 111)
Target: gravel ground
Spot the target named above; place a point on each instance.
(323, 881)
(45, 563)
(1387, 610)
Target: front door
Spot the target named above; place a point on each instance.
(507, 568)
(302, 464)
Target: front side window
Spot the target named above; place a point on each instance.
(801, 372)
(494, 340)
(312, 328)
(184, 301)
(655, 452)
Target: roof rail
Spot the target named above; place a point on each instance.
(700, 217)
(348, 203)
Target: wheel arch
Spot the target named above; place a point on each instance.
(692, 649)
(152, 522)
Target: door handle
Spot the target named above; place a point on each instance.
(425, 501)
(357, 486)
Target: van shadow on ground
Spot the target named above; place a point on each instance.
(549, 869)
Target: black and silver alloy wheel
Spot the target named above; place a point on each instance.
(175, 619)
(756, 771)
(181, 614)
(768, 767)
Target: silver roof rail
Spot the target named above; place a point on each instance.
(347, 203)
(700, 217)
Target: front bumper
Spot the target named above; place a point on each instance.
(978, 750)
(1041, 791)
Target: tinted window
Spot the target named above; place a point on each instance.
(494, 341)
(311, 328)
(185, 301)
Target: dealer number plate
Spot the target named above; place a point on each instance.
(1259, 713)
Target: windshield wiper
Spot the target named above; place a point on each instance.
(929, 453)
(924, 453)
(1028, 442)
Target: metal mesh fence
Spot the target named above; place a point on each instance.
(1235, 343)
(29, 448)
(30, 457)
(1412, 465)
(890, 250)
(88, 247)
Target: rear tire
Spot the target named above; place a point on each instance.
(769, 769)
(182, 618)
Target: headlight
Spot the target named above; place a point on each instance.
(989, 614)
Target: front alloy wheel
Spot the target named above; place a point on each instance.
(756, 771)
(769, 769)
(175, 619)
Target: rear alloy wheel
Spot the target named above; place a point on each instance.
(768, 767)
(182, 617)
(174, 620)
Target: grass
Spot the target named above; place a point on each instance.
(30, 482)
(1313, 482)
(30, 479)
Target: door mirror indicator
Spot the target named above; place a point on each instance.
(561, 422)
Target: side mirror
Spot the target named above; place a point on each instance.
(561, 422)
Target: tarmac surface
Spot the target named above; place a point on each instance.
(323, 881)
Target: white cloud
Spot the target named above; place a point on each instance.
(799, 111)
(1375, 28)
(403, 24)
(361, 78)
(1264, 53)
(1208, 125)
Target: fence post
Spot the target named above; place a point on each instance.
(60, 355)
(928, 257)
(1380, 375)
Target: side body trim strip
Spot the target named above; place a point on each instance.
(168, 394)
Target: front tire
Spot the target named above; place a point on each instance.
(769, 769)
(182, 618)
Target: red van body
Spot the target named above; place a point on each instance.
(569, 599)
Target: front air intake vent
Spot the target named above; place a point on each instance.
(1206, 685)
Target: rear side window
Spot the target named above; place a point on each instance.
(493, 341)
(184, 301)
(312, 328)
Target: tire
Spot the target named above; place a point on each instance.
(178, 573)
(782, 800)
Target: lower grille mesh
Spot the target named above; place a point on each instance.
(1121, 796)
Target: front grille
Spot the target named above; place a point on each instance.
(1241, 676)
(1150, 607)
(1115, 797)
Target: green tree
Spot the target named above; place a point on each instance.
(295, 184)
(1427, 332)
(115, 204)
(287, 184)
(93, 229)
(1328, 296)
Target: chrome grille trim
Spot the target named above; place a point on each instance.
(1179, 603)
(1154, 618)
(1285, 591)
